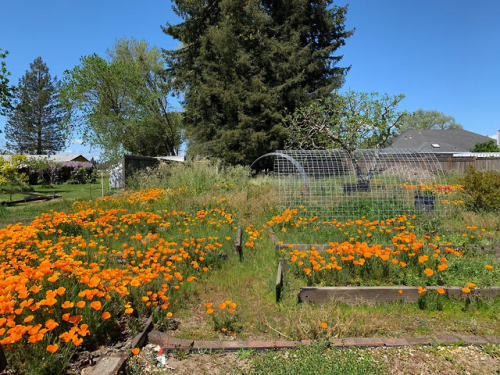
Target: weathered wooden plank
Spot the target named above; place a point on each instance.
(237, 245)
(113, 363)
(383, 294)
(168, 342)
(31, 199)
(279, 280)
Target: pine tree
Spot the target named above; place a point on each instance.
(34, 122)
(5, 93)
(244, 64)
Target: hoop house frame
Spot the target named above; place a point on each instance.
(372, 183)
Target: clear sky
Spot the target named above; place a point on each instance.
(443, 55)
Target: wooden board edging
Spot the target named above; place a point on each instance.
(169, 343)
(384, 294)
(237, 245)
(113, 363)
(279, 280)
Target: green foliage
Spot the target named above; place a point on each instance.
(199, 177)
(314, 360)
(34, 121)
(489, 146)
(482, 190)
(120, 103)
(421, 119)
(348, 121)
(223, 321)
(11, 179)
(243, 64)
(5, 92)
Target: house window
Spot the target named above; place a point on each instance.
(436, 145)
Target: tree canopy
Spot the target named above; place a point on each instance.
(121, 103)
(244, 64)
(349, 121)
(5, 92)
(488, 146)
(421, 119)
(34, 124)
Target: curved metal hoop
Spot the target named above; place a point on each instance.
(294, 162)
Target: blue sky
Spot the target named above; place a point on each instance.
(442, 55)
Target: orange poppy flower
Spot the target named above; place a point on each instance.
(105, 315)
(51, 324)
(96, 305)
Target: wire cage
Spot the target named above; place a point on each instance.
(377, 184)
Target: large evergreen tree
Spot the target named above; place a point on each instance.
(5, 93)
(34, 122)
(244, 64)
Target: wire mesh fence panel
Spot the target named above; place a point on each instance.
(372, 183)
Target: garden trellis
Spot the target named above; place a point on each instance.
(372, 183)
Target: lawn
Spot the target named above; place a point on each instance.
(24, 212)
(87, 273)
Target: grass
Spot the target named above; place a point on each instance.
(251, 286)
(316, 359)
(24, 212)
(320, 360)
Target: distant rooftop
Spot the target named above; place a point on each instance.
(438, 141)
(57, 158)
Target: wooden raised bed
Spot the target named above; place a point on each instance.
(384, 294)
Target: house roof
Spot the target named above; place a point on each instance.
(57, 158)
(438, 141)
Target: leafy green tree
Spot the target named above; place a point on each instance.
(11, 179)
(5, 92)
(421, 119)
(151, 138)
(488, 146)
(244, 64)
(34, 124)
(120, 103)
(349, 121)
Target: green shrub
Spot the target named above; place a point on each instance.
(482, 190)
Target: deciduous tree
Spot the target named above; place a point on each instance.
(121, 103)
(489, 146)
(349, 121)
(421, 119)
